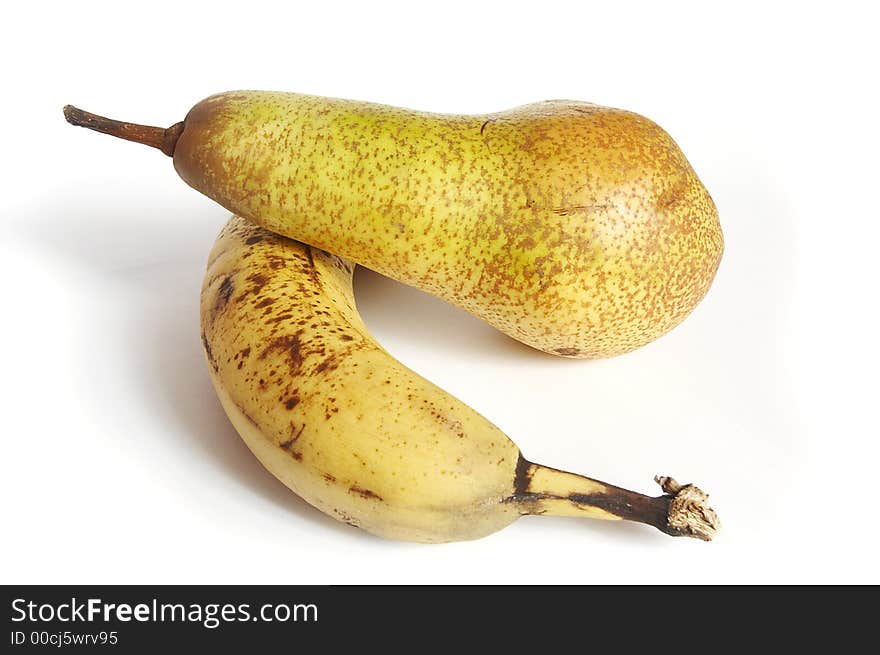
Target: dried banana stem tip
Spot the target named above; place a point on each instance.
(689, 512)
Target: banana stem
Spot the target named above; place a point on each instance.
(156, 137)
(682, 510)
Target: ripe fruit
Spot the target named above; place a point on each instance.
(578, 229)
(360, 436)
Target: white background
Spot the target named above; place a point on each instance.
(118, 464)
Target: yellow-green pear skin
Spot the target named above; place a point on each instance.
(580, 230)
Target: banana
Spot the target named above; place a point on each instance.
(361, 437)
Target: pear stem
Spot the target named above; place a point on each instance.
(155, 137)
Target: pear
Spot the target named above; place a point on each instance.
(578, 229)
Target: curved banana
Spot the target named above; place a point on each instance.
(357, 434)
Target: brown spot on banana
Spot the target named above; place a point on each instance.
(258, 281)
(208, 352)
(288, 446)
(329, 364)
(364, 493)
(224, 293)
(289, 344)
